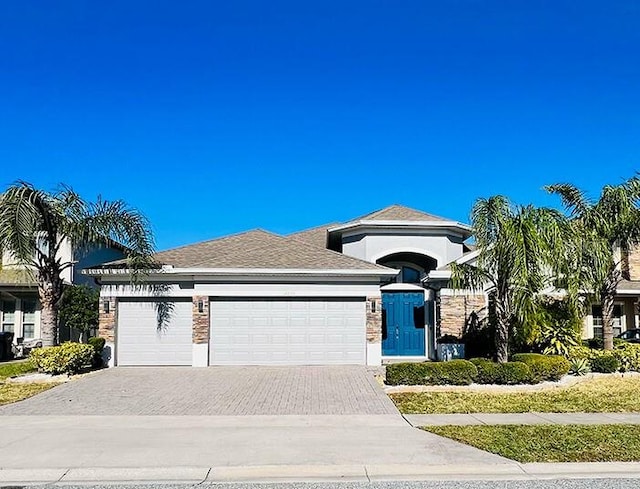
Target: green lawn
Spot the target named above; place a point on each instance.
(606, 395)
(19, 367)
(17, 392)
(551, 443)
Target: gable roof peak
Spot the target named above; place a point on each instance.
(398, 212)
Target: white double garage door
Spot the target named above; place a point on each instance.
(247, 332)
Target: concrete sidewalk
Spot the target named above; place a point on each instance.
(521, 418)
(319, 473)
(79, 442)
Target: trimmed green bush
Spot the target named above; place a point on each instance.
(98, 346)
(509, 373)
(544, 367)
(97, 343)
(605, 364)
(455, 372)
(68, 358)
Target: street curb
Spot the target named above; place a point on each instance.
(318, 473)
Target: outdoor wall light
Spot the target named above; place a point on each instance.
(106, 306)
(373, 305)
(200, 306)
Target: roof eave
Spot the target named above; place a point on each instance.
(381, 272)
(391, 224)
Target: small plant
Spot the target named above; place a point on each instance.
(605, 363)
(579, 367)
(68, 358)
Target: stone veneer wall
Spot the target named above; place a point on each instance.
(200, 321)
(374, 320)
(632, 263)
(107, 320)
(455, 311)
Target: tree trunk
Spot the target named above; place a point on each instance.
(50, 291)
(502, 339)
(607, 301)
(48, 322)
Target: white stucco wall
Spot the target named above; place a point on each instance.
(373, 246)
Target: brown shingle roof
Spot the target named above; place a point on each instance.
(400, 213)
(315, 236)
(260, 249)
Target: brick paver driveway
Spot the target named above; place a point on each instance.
(213, 391)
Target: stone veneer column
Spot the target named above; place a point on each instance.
(632, 263)
(200, 326)
(374, 331)
(107, 328)
(456, 310)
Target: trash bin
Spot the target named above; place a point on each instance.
(6, 339)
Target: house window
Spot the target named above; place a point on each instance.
(8, 314)
(410, 275)
(596, 312)
(28, 318)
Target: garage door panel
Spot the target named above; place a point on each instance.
(283, 332)
(140, 343)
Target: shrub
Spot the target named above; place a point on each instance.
(628, 355)
(579, 367)
(509, 373)
(455, 372)
(68, 358)
(544, 367)
(605, 363)
(98, 346)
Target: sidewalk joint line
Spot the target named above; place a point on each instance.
(63, 475)
(366, 473)
(206, 476)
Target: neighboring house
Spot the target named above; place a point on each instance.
(349, 293)
(625, 310)
(19, 304)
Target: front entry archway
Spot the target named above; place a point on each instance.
(403, 324)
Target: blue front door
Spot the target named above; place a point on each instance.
(403, 322)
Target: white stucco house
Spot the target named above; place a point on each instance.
(345, 293)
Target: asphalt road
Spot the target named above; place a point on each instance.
(517, 484)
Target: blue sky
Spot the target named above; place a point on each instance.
(215, 117)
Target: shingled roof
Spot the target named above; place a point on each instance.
(259, 249)
(316, 236)
(400, 213)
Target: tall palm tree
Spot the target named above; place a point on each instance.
(606, 229)
(517, 246)
(34, 224)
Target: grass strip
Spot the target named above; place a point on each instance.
(12, 369)
(600, 395)
(17, 392)
(551, 443)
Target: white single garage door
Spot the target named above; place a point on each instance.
(287, 332)
(140, 343)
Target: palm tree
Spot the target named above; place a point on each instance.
(34, 224)
(517, 246)
(606, 229)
